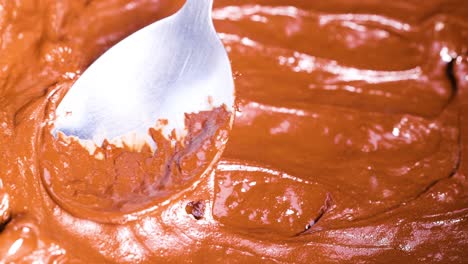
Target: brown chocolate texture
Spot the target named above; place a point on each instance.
(349, 144)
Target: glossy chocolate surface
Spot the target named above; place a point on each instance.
(349, 143)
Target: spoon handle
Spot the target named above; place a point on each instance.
(196, 11)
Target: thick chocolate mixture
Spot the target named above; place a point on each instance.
(349, 143)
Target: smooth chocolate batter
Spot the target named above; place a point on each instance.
(348, 146)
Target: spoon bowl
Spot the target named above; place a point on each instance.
(170, 68)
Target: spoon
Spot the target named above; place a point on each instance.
(172, 67)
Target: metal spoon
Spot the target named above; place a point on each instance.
(174, 66)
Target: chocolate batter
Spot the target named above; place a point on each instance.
(349, 143)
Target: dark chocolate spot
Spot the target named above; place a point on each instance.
(197, 209)
(449, 71)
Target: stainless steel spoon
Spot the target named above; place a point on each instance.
(174, 66)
